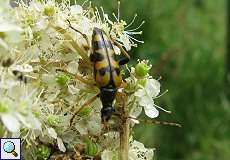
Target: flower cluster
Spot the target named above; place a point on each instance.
(41, 63)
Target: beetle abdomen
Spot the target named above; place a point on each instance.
(106, 68)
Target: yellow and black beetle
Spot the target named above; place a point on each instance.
(107, 73)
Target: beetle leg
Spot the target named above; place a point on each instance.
(123, 61)
(80, 78)
(123, 84)
(122, 49)
(91, 100)
(83, 35)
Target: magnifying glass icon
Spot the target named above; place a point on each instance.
(9, 147)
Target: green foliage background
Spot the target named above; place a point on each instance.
(185, 42)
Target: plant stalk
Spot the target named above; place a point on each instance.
(124, 140)
(124, 131)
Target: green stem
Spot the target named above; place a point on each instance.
(124, 140)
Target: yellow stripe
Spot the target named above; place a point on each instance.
(101, 64)
(101, 51)
(117, 79)
(97, 38)
(102, 80)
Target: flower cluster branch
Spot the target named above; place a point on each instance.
(46, 76)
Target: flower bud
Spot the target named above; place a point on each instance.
(85, 111)
(91, 148)
(62, 79)
(3, 108)
(52, 120)
(43, 152)
(142, 69)
(49, 11)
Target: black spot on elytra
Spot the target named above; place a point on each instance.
(15, 72)
(96, 57)
(20, 76)
(98, 45)
(117, 70)
(103, 70)
(102, 44)
(8, 62)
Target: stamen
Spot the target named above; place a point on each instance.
(98, 15)
(39, 95)
(82, 3)
(162, 108)
(131, 21)
(143, 22)
(162, 94)
(103, 13)
(159, 78)
(135, 39)
(115, 17)
(118, 10)
(107, 19)
(133, 33)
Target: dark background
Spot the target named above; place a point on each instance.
(185, 40)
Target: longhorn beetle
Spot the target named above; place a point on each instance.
(107, 73)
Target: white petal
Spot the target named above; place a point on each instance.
(152, 87)
(23, 68)
(6, 27)
(11, 123)
(22, 119)
(52, 133)
(3, 44)
(145, 101)
(42, 23)
(117, 50)
(149, 154)
(81, 127)
(35, 123)
(151, 111)
(135, 144)
(76, 9)
(137, 151)
(108, 155)
(61, 145)
(14, 37)
(125, 41)
(135, 111)
(140, 93)
(135, 121)
(72, 67)
(72, 89)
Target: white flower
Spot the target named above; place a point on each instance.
(11, 122)
(23, 68)
(109, 155)
(52, 133)
(42, 23)
(12, 31)
(73, 89)
(146, 95)
(61, 145)
(73, 67)
(76, 9)
(137, 151)
(7, 27)
(120, 33)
